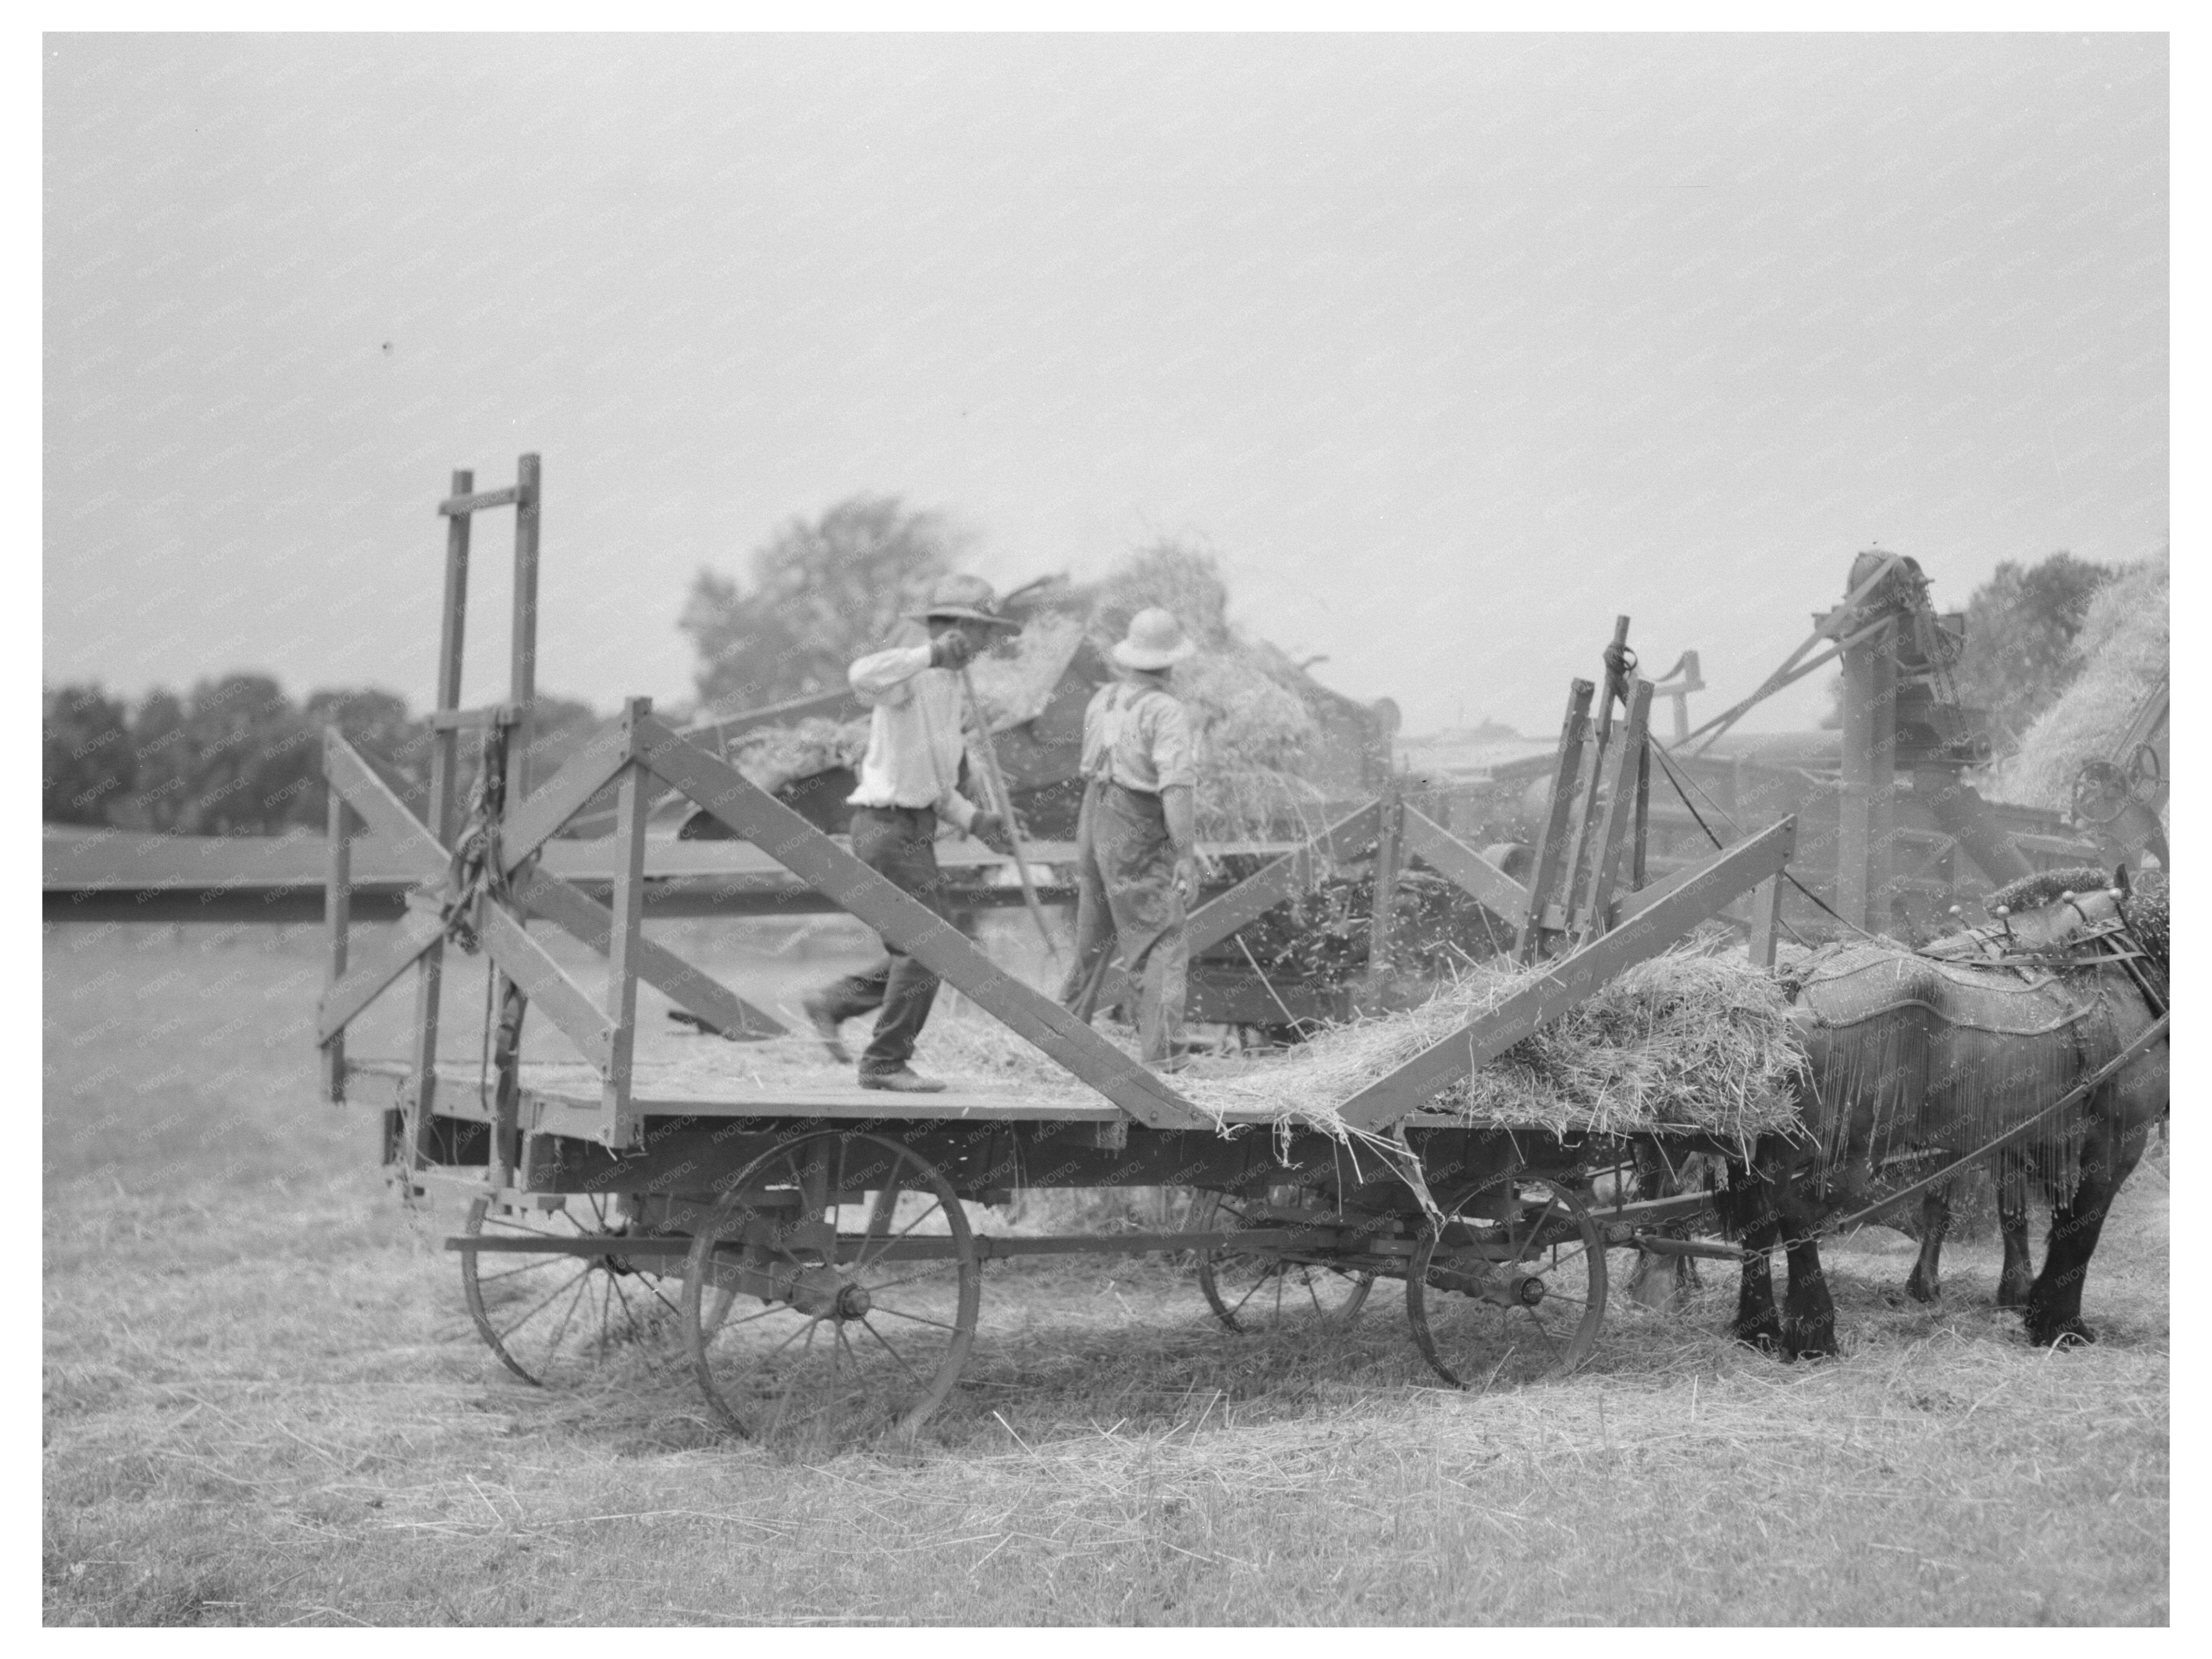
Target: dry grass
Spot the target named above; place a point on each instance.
(771, 756)
(264, 1405)
(1689, 1038)
(1014, 683)
(2124, 648)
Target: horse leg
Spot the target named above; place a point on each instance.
(1756, 1324)
(1808, 1313)
(1926, 1283)
(2019, 1272)
(2054, 1300)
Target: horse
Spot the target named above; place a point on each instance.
(1939, 1051)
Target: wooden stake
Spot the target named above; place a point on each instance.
(1550, 852)
(338, 913)
(997, 782)
(1389, 834)
(617, 1125)
(445, 765)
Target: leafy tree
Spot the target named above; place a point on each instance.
(235, 759)
(86, 766)
(398, 745)
(819, 595)
(238, 757)
(392, 741)
(2021, 628)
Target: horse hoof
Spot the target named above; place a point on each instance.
(2012, 1296)
(1766, 1338)
(1919, 1292)
(1813, 1347)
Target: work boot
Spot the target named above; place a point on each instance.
(904, 1081)
(824, 1019)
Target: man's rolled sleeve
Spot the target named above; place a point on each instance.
(1175, 758)
(877, 678)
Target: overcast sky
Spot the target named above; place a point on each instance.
(1451, 348)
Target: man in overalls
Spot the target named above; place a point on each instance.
(908, 780)
(1136, 842)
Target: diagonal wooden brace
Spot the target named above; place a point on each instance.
(1465, 868)
(1281, 879)
(831, 870)
(384, 812)
(1573, 979)
(524, 961)
(595, 764)
(416, 933)
(580, 915)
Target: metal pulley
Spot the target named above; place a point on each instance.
(2146, 776)
(2101, 792)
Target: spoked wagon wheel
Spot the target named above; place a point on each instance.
(1514, 1286)
(856, 1283)
(1267, 1290)
(551, 1316)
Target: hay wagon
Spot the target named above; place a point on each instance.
(809, 1244)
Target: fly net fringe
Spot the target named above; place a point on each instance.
(1909, 1053)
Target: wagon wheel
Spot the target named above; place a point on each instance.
(1257, 1290)
(1515, 1288)
(551, 1318)
(856, 1280)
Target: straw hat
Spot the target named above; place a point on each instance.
(963, 598)
(1155, 639)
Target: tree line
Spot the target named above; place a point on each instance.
(236, 756)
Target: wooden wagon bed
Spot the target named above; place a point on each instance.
(751, 1197)
(564, 1097)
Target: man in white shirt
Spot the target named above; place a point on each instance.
(909, 779)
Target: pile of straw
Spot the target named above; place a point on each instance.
(1014, 682)
(773, 755)
(2124, 648)
(1687, 1039)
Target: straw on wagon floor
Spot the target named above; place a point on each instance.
(1690, 1039)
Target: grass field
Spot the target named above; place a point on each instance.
(264, 1404)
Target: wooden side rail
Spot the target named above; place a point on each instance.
(1465, 868)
